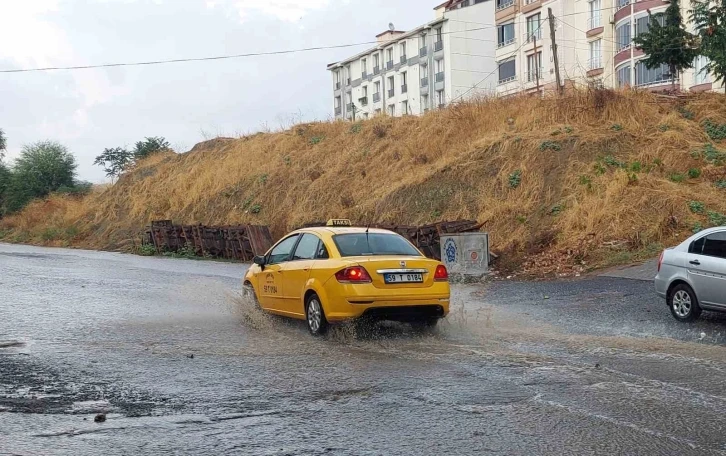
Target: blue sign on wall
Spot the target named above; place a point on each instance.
(450, 250)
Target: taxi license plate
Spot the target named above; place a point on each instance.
(403, 278)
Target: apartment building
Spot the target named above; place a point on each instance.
(450, 58)
(594, 43)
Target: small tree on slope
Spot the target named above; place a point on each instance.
(668, 44)
(709, 20)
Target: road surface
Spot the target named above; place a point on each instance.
(182, 365)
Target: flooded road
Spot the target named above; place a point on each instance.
(182, 365)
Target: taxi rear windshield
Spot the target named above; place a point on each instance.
(360, 244)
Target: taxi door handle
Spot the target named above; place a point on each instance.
(695, 262)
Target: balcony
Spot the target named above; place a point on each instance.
(594, 22)
(424, 82)
(506, 43)
(509, 79)
(620, 4)
(423, 51)
(364, 75)
(442, 105)
(347, 82)
(532, 76)
(338, 111)
(404, 60)
(391, 93)
(439, 46)
(376, 97)
(376, 69)
(534, 35)
(504, 4)
(349, 107)
(363, 101)
(404, 88)
(337, 85)
(389, 65)
(594, 63)
(440, 76)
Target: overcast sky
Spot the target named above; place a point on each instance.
(89, 110)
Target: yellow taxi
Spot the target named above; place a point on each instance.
(337, 273)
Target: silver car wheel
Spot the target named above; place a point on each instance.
(682, 303)
(315, 314)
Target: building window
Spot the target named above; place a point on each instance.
(364, 67)
(593, 20)
(391, 87)
(534, 29)
(392, 110)
(404, 82)
(534, 67)
(404, 107)
(365, 115)
(505, 34)
(501, 4)
(507, 71)
(424, 102)
(622, 34)
(347, 75)
(700, 70)
(642, 24)
(644, 75)
(595, 61)
(403, 51)
(377, 93)
(624, 76)
(440, 99)
(439, 43)
(376, 63)
(389, 58)
(620, 4)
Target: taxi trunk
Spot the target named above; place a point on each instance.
(398, 272)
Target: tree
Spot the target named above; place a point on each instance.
(668, 44)
(150, 146)
(42, 168)
(114, 161)
(709, 21)
(3, 144)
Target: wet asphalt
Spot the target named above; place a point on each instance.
(180, 364)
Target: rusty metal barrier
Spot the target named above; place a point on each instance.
(240, 242)
(426, 237)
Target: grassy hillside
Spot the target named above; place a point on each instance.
(597, 177)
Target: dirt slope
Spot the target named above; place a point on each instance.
(596, 177)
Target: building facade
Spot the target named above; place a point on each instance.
(479, 48)
(426, 68)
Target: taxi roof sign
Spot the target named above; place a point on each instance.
(338, 222)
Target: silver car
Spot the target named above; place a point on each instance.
(692, 276)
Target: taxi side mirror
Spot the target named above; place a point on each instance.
(259, 261)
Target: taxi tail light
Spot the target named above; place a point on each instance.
(354, 274)
(660, 260)
(441, 273)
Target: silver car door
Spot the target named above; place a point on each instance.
(707, 270)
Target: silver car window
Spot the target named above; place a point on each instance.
(715, 245)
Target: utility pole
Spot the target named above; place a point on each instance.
(353, 110)
(554, 51)
(536, 60)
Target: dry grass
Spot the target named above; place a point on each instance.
(449, 164)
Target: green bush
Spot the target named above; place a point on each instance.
(515, 179)
(599, 169)
(255, 208)
(586, 181)
(694, 173)
(569, 129)
(263, 178)
(715, 131)
(616, 127)
(677, 177)
(551, 145)
(716, 218)
(356, 128)
(636, 167)
(316, 140)
(663, 127)
(697, 207)
(557, 208)
(697, 228)
(721, 184)
(613, 162)
(287, 160)
(686, 113)
(713, 155)
(146, 250)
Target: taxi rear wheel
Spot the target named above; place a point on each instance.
(315, 316)
(248, 291)
(427, 324)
